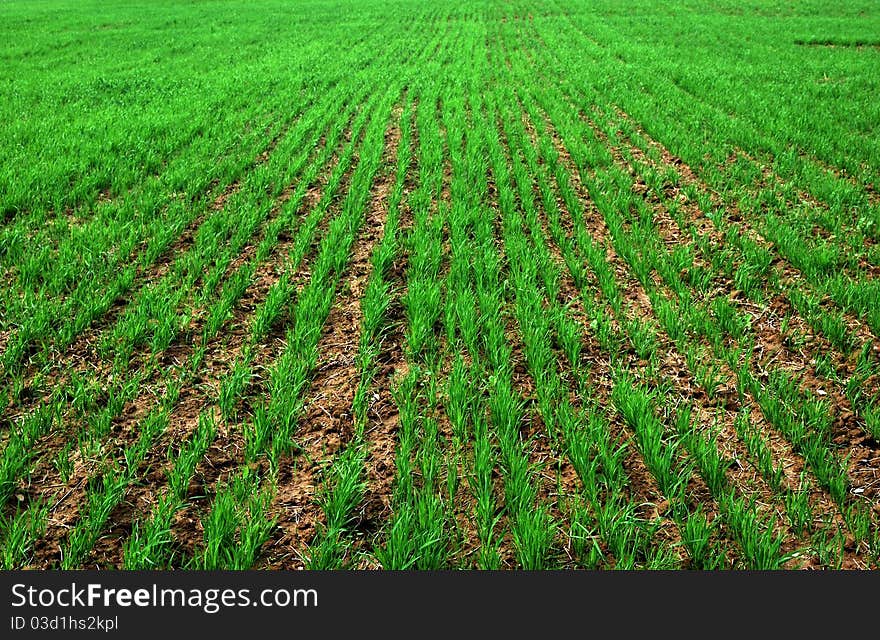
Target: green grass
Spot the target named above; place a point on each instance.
(605, 279)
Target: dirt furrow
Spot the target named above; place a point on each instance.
(82, 355)
(226, 453)
(199, 391)
(383, 418)
(327, 424)
(789, 275)
(717, 415)
(774, 348)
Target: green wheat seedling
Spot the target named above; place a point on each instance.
(343, 491)
(585, 538)
(150, 544)
(759, 450)
(697, 538)
(798, 508)
(20, 532)
(659, 449)
(237, 525)
(761, 545)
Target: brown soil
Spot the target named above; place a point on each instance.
(82, 355)
(327, 426)
(770, 343)
(227, 452)
(708, 413)
(383, 417)
(767, 322)
(196, 394)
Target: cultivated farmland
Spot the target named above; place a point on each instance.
(399, 284)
